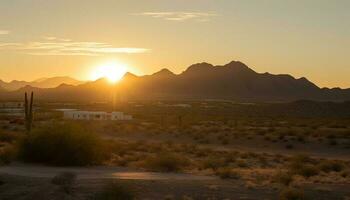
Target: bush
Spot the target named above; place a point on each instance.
(7, 154)
(329, 165)
(214, 162)
(242, 163)
(284, 178)
(63, 144)
(291, 194)
(227, 173)
(301, 165)
(345, 173)
(332, 142)
(2, 180)
(8, 136)
(166, 162)
(114, 191)
(308, 171)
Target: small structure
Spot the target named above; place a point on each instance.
(95, 115)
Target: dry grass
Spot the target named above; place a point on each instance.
(165, 162)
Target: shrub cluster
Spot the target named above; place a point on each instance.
(166, 162)
(63, 144)
(7, 153)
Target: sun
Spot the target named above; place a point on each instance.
(113, 71)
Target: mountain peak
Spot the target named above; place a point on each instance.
(199, 67)
(64, 85)
(239, 66)
(129, 75)
(164, 72)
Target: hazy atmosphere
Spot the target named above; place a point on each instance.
(174, 100)
(40, 38)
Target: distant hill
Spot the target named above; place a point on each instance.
(55, 81)
(40, 83)
(233, 81)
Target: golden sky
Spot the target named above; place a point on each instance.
(45, 38)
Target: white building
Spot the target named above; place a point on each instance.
(93, 115)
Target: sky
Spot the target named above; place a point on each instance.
(45, 38)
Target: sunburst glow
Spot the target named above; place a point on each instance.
(113, 71)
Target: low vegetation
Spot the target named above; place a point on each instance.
(63, 144)
(246, 151)
(8, 153)
(166, 162)
(227, 173)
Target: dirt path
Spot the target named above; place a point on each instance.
(101, 172)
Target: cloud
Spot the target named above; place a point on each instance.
(4, 32)
(180, 16)
(59, 46)
(57, 39)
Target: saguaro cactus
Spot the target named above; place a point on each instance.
(28, 111)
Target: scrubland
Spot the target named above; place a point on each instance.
(284, 157)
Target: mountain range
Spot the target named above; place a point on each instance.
(233, 81)
(39, 83)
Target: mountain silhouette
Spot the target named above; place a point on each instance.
(40, 83)
(233, 81)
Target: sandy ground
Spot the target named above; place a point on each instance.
(26, 188)
(100, 172)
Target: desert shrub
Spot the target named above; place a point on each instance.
(308, 171)
(65, 180)
(242, 163)
(227, 173)
(114, 191)
(6, 136)
(214, 162)
(230, 157)
(166, 162)
(284, 178)
(331, 165)
(303, 166)
(298, 160)
(225, 142)
(301, 138)
(267, 137)
(332, 142)
(63, 144)
(345, 173)
(8, 153)
(291, 194)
